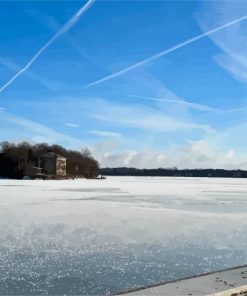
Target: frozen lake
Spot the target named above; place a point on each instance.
(103, 236)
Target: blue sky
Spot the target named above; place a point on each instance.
(71, 74)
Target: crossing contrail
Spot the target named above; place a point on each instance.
(72, 21)
(165, 52)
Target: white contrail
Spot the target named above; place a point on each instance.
(63, 30)
(189, 104)
(194, 106)
(165, 52)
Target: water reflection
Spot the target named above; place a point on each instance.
(101, 269)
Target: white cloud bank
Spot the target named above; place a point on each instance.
(214, 151)
(198, 154)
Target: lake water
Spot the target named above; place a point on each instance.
(99, 237)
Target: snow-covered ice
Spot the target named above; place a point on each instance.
(100, 236)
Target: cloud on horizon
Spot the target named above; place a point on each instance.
(198, 154)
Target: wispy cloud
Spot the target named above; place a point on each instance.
(39, 132)
(232, 42)
(166, 52)
(66, 27)
(70, 124)
(140, 117)
(106, 134)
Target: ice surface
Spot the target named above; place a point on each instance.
(103, 236)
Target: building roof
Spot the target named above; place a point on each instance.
(52, 155)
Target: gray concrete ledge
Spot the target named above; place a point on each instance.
(228, 282)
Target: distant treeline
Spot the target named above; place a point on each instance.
(18, 160)
(174, 172)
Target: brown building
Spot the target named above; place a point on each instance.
(53, 164)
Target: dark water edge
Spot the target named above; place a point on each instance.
(107, 269)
